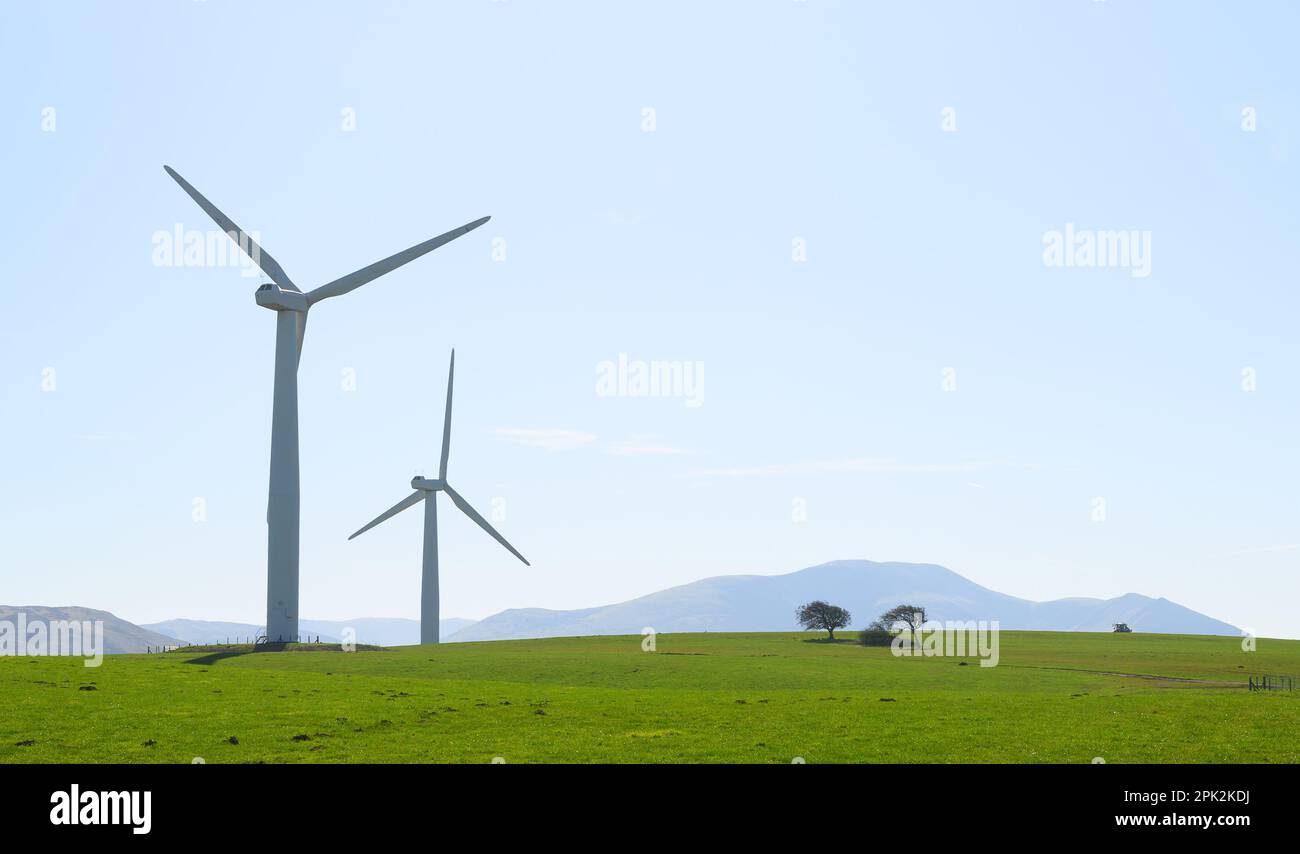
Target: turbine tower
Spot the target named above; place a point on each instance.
(291, 306)
(428, 489)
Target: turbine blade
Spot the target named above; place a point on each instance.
(409, 501)
(259, 256)
(482, 523)
(352, 281)
(302, 331)
(446, 422)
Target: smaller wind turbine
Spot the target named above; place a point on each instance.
(426, 488)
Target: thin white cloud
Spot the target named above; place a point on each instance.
(557, 439)
(641, 446)
(872, 465)
(1285, 547)
(549, 438)
(618, 217)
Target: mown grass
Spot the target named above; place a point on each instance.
(700, 698)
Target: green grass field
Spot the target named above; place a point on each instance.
(1055, 697)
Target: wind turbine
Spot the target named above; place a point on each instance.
(428, 489)
(291, 306)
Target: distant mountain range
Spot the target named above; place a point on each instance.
(119, 635)
(726, 603)
(380, 631)
(765, 603)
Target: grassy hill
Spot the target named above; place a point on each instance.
(1055, 697)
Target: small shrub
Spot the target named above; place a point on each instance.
(875, 637)
(876, 634)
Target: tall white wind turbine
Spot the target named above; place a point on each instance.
(427, 489)
(291, 306)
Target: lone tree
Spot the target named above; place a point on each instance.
(1122, 627)
(818, 615)
(912, 615)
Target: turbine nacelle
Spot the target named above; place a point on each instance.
(425, 484)
(276, 298)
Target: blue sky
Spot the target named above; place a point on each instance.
(823, 379)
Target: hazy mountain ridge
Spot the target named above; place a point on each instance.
(728, 603)
(757, 603)
(119, 635)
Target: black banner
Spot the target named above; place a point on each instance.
(137, 803)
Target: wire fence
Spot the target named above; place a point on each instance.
(1271, 683)
(258, 640)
